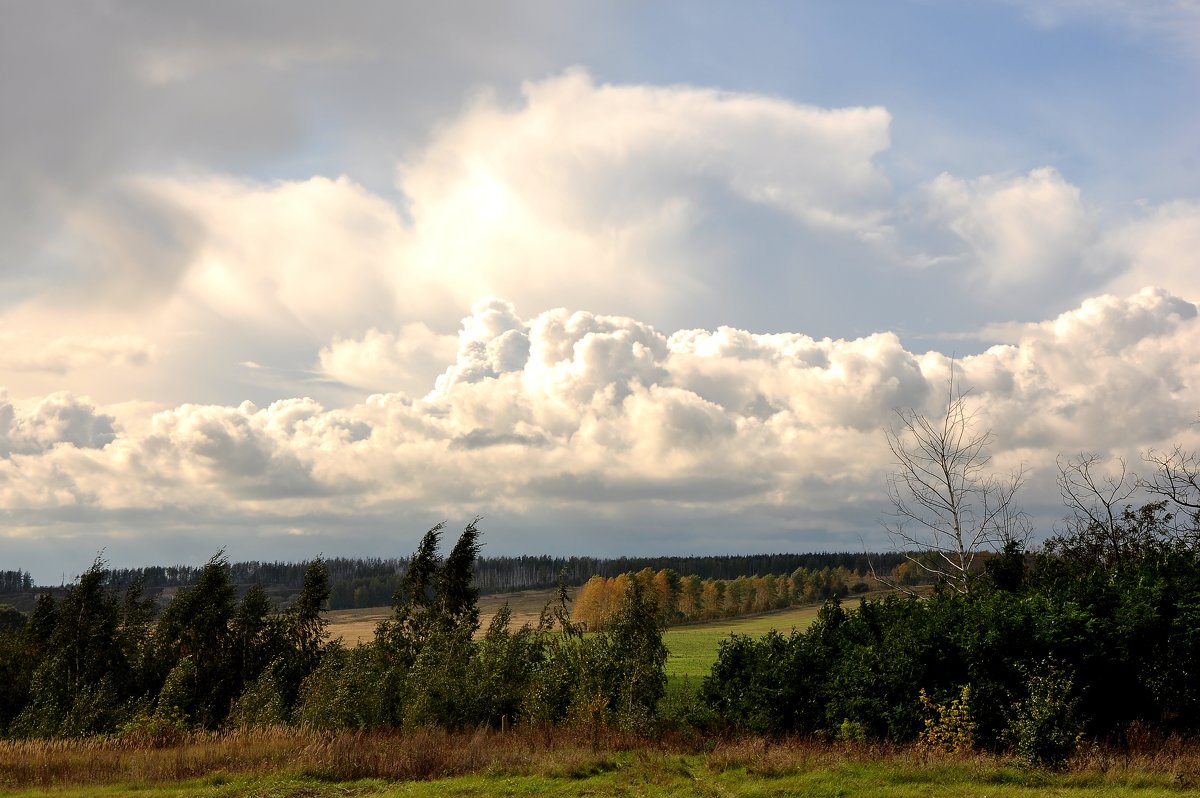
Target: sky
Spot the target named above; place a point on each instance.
(291, 278)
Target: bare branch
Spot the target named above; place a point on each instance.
(944, 501)
(1095, 498)
(1176, 477)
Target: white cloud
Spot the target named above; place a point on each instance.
(580, 194)
(587, 194)
(1020, 232)
(34, 427)
(197, 291)
(1162, 248)
(407, 360)
(572, 414)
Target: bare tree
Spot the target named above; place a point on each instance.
(1176, 478)
(946, 504)
(1105, 528)
(1095, 498)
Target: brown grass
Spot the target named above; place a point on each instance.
(410, 755)
(556, 752)
(1150, 760)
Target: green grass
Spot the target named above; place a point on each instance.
(754, 771)
(693, 649)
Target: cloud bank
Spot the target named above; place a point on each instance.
(571, 414)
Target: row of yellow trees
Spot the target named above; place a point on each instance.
(684, 599)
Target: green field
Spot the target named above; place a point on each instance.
(694, 648)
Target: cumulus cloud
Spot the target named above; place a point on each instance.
(1161, 248)
(406, 360)
(1113, 374)
(588, 194)
(566, 225)
(1020, 232)
(32, 428)
(815, 163)
(572, 413)
(579, 193)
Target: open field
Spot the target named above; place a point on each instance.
(560, 762)
(358, 626)
(694, 648)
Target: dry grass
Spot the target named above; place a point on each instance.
(411, 755)
(1171, 763)
(557, 753)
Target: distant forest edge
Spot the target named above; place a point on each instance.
(371, 582)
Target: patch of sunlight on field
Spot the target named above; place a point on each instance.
(358, 626)
(693, 649)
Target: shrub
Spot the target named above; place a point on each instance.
(948, 727)
(1045, 730)
(351, 689)
(163, 728)
(262, 703)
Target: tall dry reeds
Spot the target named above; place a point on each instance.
(559, 752)
(287, 751)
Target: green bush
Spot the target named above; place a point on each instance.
(1045, 730)
(351, 689)
(262, 703)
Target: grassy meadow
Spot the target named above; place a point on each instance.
(693, 648)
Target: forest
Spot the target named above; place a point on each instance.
(356, 583)
(99, 661)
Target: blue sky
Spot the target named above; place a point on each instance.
(620, 277)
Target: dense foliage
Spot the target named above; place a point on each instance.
(98, 661)
(426, 667)
(1098, 633)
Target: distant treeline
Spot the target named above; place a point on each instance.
(15, 581)
(679, 599)
(371, 582)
